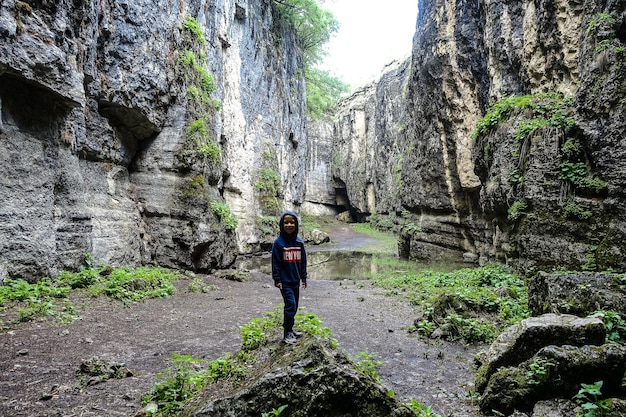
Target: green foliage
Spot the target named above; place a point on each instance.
(269, 182)
(267, 224)
(222, 211)
(604, 45)
(573, 210)
(515, 178)
(539, 370)
(194, 28)
(588, 399)
(136, 284)
(366, 364)
(186, 377)
(421, 410)
(313, 25)
(615, 326)
(592, 184)
(572, 149)
(525, 129)
(600, 20)
(47, 298)
(187, 58)
(211, 151)
(207, 83)
(549, 109)
(204, 146)
(499, 111)
(573, 172)
(576, 173)
(254, 333)
(275, 412)
(411, 229)
(591, 264)
(469, 329)
(312, 324)
(517, 210)
(195, 187)
(197, 285)
(36, 301)
(452, 300)
(322, 92)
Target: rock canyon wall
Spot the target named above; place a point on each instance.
(506, 141)
(139, 131)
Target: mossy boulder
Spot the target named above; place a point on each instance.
(555, 372)
(521, 342)
(312, 378)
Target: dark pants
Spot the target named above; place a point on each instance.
(290, 297)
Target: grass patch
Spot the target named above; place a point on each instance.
(385, 242)
(21, 301)
(471, 304)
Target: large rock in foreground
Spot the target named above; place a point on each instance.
(312, 378)
(521, 342)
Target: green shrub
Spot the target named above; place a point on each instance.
(450, 300)
(136, 284)
(210, 150)
(549, 109)
(366, 364)
(186, 377)
(517, 210)
(269, 182)
(598, 21)
(572, 149)
(573, 210)
(222, 211)
(194, 27)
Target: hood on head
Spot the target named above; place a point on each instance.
(282, 218)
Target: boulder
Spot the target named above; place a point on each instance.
(578, 293)
(312, 378)
(555, 372)
(317, 237)
(520, 342)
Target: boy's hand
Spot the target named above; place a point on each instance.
(304, 284)
(279, 285)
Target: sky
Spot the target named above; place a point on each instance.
(372, 34)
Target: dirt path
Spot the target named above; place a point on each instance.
(38, 360)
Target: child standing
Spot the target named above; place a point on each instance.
(289, 269)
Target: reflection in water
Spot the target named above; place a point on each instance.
(339, 265)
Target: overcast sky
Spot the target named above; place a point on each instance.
(372, 34)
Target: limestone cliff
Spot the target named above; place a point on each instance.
(539, 181)
(355, 160)
(135, 130)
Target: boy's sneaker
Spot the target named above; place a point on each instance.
(296, 333)
(290, 339)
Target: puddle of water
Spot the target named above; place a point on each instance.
(340, 265)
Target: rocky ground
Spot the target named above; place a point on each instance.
(39, 360)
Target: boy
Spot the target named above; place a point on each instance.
(289, 269)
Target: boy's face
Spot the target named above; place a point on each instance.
(289, 224)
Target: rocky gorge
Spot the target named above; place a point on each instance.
(490, 141)
(138, 134)
(171, 133)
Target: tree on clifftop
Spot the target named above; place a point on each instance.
(314, 26)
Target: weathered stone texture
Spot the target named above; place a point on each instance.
(498, 195)
(96, 109)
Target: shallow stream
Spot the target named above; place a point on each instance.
(353, 265)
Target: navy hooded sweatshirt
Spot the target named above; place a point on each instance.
(288, 256)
